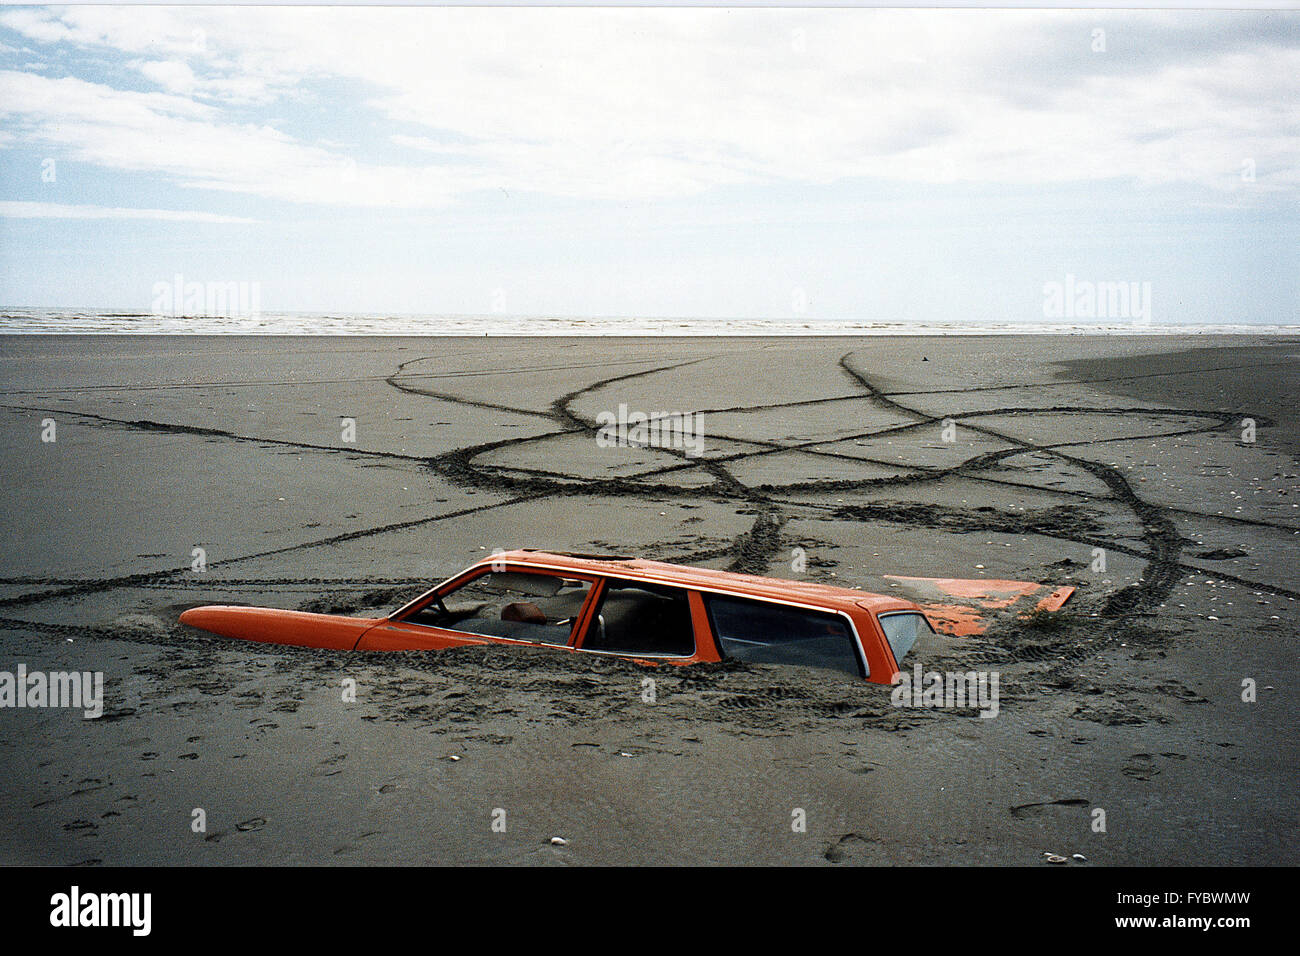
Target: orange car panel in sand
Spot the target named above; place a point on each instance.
(395, 633)
(273, 626)
(965, 617)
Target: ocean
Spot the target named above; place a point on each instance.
(92, 321)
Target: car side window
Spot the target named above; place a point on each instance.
(520, 605)
(766, 633)
(637, 617)
(902, 631)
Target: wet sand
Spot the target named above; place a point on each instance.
(1129, 701)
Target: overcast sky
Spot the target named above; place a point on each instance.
(845, 164)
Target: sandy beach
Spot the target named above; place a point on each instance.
(1175, 456)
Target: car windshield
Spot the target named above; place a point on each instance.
(515, 582)
(902, 630)
(524, 606)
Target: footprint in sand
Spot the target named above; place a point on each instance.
(327, 768)
(1140, 767)
(848, 846)
(1026, 811)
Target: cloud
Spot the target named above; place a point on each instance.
(628, 104)
(175, 76)
(178, 138)
(49, 210)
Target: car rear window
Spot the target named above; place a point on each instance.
(902, 630)
(764, 633)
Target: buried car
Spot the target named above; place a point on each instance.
(648, 611)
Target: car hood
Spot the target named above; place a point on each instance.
(271, 626)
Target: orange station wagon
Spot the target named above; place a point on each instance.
(647, 611)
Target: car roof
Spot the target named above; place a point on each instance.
(743, 585)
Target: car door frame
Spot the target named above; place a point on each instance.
(705, 650)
